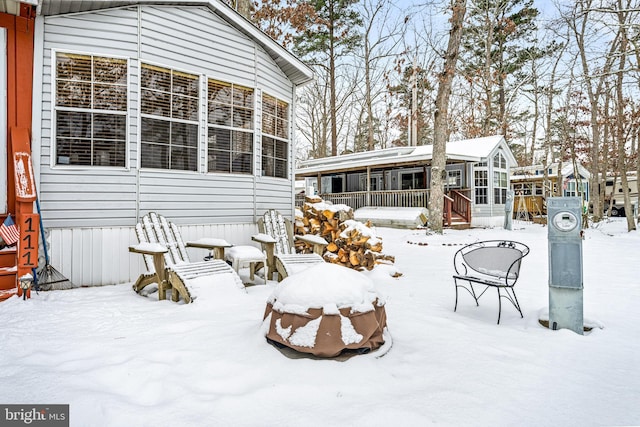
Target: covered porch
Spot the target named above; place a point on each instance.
(457, 203)
(476, 179)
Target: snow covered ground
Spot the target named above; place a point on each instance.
(120, 359)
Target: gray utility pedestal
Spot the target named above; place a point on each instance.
(564, 216)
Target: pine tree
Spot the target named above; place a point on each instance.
(498, 42)
(327, 34)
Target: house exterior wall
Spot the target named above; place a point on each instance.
(97, 207)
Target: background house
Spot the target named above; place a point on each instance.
(180, 107)
(531, 188)
(477, 177)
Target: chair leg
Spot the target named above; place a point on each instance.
(455, 307)
(179, 288)
(515, 302)
(499, 305)
(163, 286)
(252, 270)
(144, 280)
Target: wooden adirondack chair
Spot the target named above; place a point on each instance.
(276, 237)
(167, 261)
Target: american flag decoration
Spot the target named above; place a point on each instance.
(9, 231)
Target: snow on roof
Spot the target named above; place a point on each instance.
(537, 171)
(473, 150)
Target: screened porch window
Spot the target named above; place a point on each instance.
(169, 119)
(275, 137)
(90, 110)
(230, 129)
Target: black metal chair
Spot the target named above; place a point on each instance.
(493, 264)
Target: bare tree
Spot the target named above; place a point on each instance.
(380, 41)
(579, 20)
(441, 125)
(623, 16)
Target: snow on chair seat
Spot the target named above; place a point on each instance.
(491, 263)
(167, 261)
(240, 256)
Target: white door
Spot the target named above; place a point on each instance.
(3, 121)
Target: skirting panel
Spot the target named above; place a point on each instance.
(100, 256)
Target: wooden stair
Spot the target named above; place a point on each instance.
(458, 222)
(8, 271)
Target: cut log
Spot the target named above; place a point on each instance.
(351, 243)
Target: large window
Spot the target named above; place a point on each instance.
(500, 179)
(481, 185)
(412, 180)
(230, 130)
(169, 107)
(275, 137)
(90, 110)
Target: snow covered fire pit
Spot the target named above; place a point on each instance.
(324, 310)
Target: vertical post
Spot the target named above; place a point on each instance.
(368, 186)
(565, 264)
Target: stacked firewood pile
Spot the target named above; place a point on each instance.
(351, 243)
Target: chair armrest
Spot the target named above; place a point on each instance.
(215, 245)
(157, 251)
(263, 238)
(318, 243)
(149, 249)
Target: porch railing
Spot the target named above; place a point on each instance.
(457, 202)
(461, 204)
(392, 198)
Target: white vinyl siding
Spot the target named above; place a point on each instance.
(90, 211)
(184, 38)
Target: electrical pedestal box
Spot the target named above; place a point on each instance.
(564, 218)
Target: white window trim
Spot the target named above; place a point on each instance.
(257, 128)
(201, 118)
(54, 109)
(289, 139)
(484, 168)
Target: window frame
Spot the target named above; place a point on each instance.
(476, 196)
(275, 138)
(232, 129)
(53, 137)
(198, 122)
(500, 178)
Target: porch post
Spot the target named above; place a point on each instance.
(319, 181)
(368, 185)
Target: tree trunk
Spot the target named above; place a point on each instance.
(620, 133)
(441, 131)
